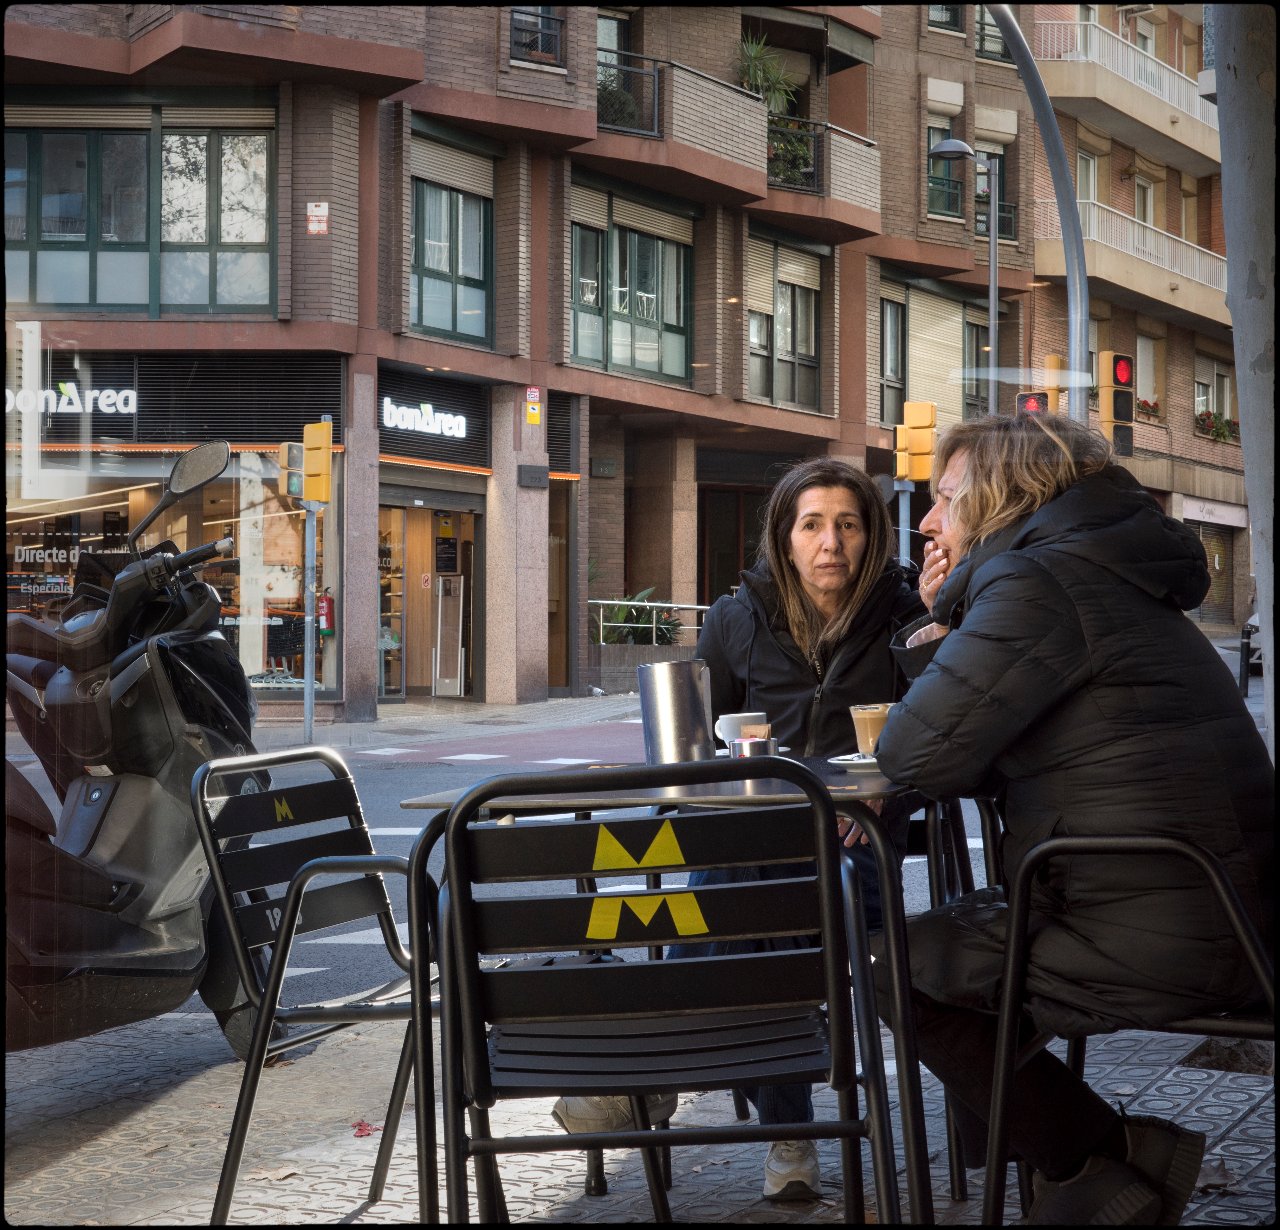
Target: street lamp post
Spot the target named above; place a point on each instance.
(952, 150)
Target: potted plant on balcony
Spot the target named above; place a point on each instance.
(1215, 426)
(1149, 409)
(760, 70)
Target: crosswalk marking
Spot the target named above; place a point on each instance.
(476, 756)
(564, 760)
(380, 751)
(369, 935)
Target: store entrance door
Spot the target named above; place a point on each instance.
(421, 553)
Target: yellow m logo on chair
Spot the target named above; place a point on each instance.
(663, 851)
(606, 914)
(282, 809)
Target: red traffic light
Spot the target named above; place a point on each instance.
(1122, 370)
(1032, 403)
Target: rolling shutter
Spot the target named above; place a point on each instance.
(560, 433)
(652, 221)
(77, 117)
(895, 292)
(454, 168)
(799, 268)
(589, 207)
(218, 117)
(935, 353)
(759, 286)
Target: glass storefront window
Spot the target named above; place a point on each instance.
(262, 591)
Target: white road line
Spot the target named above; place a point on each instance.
(477, 756)
(564, 760)
(305, 969)
(379, 751)
(368, 936)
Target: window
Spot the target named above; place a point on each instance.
(80, 219)
(1222, 395)
(893, 360)
(1086, 177)
(945, 17)
(537, 34)
(1213, 391)
(1145, 375)
(976, 385)
(782, 295)
(990, 42)
(944, 191)
(992, 159)
(1087, 13)
(630, 300)
(1143, 200)
(450, 289)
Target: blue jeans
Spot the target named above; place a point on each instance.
(792, 1103)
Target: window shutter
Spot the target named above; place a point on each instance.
(935, 350)
(454, 168)
(976, 316)
(759, 277)
(893, 291)
(799, 268)
(589, 207)
(1204, 369)
(652, 221)
(218, 117)
(77, 117)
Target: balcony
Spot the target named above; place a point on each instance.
(627, 93)
(1097, 76)
(1006, 224)
(1139, 266)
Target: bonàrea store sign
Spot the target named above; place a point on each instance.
(68, 398)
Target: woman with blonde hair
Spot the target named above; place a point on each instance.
(1058, 672)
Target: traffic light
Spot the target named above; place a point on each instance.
(914, 441)
(1053, 368)
(1032, 403)
(1115, 400)
(291, 470)
(317, 462)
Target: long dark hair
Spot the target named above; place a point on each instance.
(806, 624)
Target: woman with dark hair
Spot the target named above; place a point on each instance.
(806, 635)
(1057, 671)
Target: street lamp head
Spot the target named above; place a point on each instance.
(951, 150)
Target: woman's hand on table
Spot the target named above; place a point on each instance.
(851, 830)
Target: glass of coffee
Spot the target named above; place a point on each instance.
(868, 722)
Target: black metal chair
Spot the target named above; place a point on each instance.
(1254, 1023)
(261, 891)
(543, 1024)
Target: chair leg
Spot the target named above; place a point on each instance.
(955, 1155)
(491, 1204)
(741, 1107)
(395, 1108)
(855, 1196)
(652, 1166)
(1025, 1194)
(596, 1183)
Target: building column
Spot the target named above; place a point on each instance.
(359, 615)
(515, 564)
(662, 537)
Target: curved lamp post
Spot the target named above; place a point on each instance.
(952, 150)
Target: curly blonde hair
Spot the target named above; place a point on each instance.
(1013, 467)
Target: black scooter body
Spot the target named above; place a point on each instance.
(108, 909)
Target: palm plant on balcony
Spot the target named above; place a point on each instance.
(761, 70)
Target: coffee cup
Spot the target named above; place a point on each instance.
(868, 722)
(729, 725)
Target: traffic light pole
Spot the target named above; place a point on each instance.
(309, 623)
(904, 487)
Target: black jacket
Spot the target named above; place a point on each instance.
(756, 665)
(1072, 683)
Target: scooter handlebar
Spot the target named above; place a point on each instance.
(200, 555)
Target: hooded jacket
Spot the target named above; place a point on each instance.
(1072, 684)
(756, 664)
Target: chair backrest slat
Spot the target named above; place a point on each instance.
(241, 815)
(329, 905)
(260, 866)
(644, 917)
(531, 991)
(561, 849)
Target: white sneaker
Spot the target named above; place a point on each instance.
(609, 1114)
(791, 1171)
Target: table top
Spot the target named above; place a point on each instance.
(844, 785)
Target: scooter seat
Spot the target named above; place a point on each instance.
(81, 650)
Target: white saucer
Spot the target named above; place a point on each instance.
(855, 760)
(724, 751)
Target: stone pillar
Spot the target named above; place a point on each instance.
(515, 615)
(662, 538)
(358, 619)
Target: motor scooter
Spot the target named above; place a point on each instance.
(109, 915)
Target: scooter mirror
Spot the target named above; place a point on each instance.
(199, 466)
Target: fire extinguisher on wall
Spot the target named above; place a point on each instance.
(324, 613)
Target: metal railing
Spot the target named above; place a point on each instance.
(644, 632)
(794, 151)
(944, 196)
(1125, 234)
(1007, 224)
(1083, 40)
(537, 37)
(989, 42)
(627, 92)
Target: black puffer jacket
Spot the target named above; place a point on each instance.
(1072, 682)
(756, 665)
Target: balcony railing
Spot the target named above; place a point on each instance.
(627, 93)
(537, 37)
(1125, 234)
(1085, 41)
(795, 147)
(1008, 222)
(944, 196)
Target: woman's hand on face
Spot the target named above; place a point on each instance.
(851, 830)
(937, 567)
